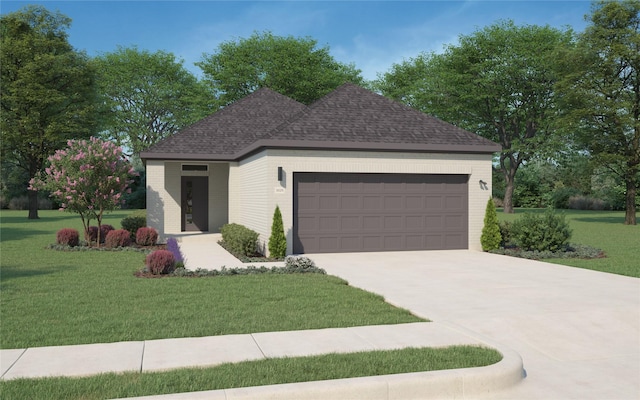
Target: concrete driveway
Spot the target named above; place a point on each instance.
(578, 331)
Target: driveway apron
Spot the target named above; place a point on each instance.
(578, 331)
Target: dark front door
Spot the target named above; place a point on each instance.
(195, 203)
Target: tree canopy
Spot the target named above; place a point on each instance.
(294, 67)
(148, 96)
(601, 93)
(47, 90)
(497, 82)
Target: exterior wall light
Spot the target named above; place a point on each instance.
(280, 174)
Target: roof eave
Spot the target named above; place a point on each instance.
(367, 146)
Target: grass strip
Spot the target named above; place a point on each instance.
(251, 373)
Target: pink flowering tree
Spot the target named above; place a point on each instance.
(89, 177)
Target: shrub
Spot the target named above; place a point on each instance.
(22, 203)
(174, 248)
(490, 238)
(93, 233)
(277, 240)
(117, 238)
(68, 237)
(134, 222)
(160, 262)
(146, 236)
(560, 196)
(505, 234)
(586, 203)
(300, 265)
(239, 239)
(546, 232)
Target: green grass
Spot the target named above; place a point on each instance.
(601, 229)
(250, 373)
(50, 297)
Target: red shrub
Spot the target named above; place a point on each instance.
(68, 237)
(160, 262)
(93, 233)
(146, 236)
(117, 238)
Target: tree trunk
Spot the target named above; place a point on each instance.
(630, 214)
(33, 204)
(507, 202)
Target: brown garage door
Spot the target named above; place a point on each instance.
(336, 212)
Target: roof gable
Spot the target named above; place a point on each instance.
(354, 114)
(231, 129)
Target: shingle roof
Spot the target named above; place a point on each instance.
(350, 117)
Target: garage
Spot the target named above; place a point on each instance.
(360, 212)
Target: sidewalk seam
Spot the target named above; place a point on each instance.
(258, 346)
(14, 363)
(144, 346)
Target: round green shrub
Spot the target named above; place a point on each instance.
(546, 232)
(134, 222)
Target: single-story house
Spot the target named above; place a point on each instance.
(352, 172)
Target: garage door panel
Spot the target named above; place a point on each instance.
(339, 212)
(351, 223)
(371, 203)
(371, 222)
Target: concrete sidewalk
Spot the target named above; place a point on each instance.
(168, 354)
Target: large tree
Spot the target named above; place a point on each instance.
(47, 90)
(602, 93)
(497, 82)
(294, 67)
(148, 96)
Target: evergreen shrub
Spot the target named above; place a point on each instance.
(277, 240)
(491, 237)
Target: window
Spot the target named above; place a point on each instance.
(195, 167)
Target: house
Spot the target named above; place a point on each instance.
(352, 172)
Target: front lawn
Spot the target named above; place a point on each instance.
(50, 297)
(601, 229)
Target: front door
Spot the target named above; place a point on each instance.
(195, 203)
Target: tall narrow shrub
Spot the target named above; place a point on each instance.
(491, 237)
(277, 240)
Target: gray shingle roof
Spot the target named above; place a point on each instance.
(350, 117)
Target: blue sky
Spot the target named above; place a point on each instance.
(371, 34)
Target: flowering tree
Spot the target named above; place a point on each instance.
(88, 177)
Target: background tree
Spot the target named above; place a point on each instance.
(88, 178)
(148, 96)
(602, 93)
(47, 90)
(497, 82)
(294, 67)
